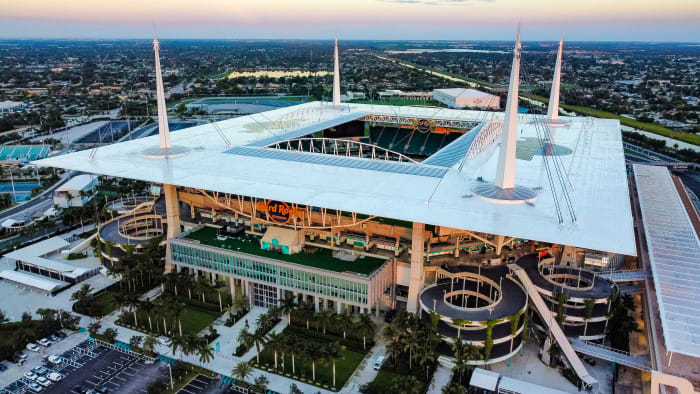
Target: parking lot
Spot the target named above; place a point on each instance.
(90, 365)
(205, 385)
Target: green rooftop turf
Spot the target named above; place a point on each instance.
(322, 259)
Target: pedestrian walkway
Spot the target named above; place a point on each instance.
(441, 378)
(609, 354)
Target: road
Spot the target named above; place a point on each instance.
(31, 205)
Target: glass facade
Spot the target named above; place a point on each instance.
(312, 281)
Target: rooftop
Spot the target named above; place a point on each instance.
(594, 164)
(322, 258)
(462, 92)
(674, 253)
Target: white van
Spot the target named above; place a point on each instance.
(378, 363)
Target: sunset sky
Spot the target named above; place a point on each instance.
(589, 20)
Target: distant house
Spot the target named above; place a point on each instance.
(69, 195)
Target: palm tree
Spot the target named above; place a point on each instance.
(258, 338)
(162, 311)
(463, 353)
(219, 286)
(132, 300)
(411, 341)
(176, 309)
(390, 335)
(287, 306)
(324, 319)
(245, 338)
(333, 351)
(201, 286)
(264, 322)
(315, 352)
(364, 326)
(405, 385)
(242, 371)
(82, 294)
(240, 303)
(150, 342)
(306, 310)
(344, 320)
(205, 352)
(147, 306)
(292, 343)
(275, 344)
(588, 305)
(426, 355)
(191, 344)
(177, 343)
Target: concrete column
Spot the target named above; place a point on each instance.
(416, 281)
(338, 307)
(279, 296)
(499, 244)
(172, 214)
(177, 268)
(232, 286)
(213, 278)
(316, 306)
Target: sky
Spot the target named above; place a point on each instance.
(578, 20)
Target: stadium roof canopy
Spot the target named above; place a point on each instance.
(595, 167)
(674, 252)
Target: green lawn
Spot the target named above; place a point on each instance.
(106, 303)
(344, 367)
(193, 321)
(322, 259)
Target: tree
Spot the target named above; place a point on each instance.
(205, 352)
(315, 352)
(94, 327)
(110, 335)
(275, 344)
(132, 301)
(82, 295)
(242, 371)
(333, 351)
(147, 306)
(454, 389)
(343, 321)
(240, 303)
(258, 338)
(135, 341)
(287, 306)
(390, 335)
(411, 341)
(588, 305)
(459, 323)
(293, 389)
(177, 343)
(3, 317)
(406, 385)
(292, 343)
(264, 322)
(463, 353)
(306, 310)
(324, 319)
(149, 343)
(364, 325)
(261, 383)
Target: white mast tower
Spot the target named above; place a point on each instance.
(163, 130)
(553, 107)
(336, 76)
(504, 190)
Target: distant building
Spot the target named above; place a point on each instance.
(466, 98)
(69, 195)
(11, 106)
(395, 93)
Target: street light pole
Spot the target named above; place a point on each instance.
(170, 369)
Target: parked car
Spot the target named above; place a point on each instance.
(20, 354)
(378, 363)
(18, 360)
(44, 342)
(55, 376)
(102, 390)
(31, 375)
(80, 389)
(53, 338)
(40, 370)
(55, 359)
(34, 387)
(3, 367)
(43, 381)
(61, 334)
(33, 347)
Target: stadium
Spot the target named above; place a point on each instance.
(493, 222)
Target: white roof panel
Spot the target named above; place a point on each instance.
(595, 167)
(76, 183)
(464, 92)
(674, 252)
(36, 281)
(484, 379)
